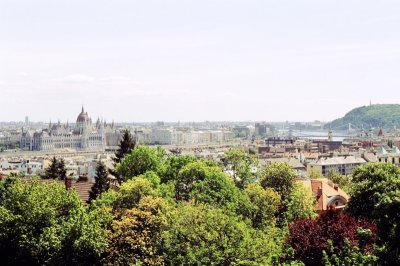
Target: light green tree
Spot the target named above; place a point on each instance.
(139, 161)
(45, 224)
(242, 165)
(280, 177)
(202, 235)
(263, 206)
(135, 235)
(300, 203)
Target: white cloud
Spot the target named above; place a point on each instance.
(76, 78)
(116, 78)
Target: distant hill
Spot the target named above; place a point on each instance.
(377, 115)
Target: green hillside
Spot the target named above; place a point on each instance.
(377, 115)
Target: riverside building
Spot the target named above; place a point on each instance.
(84, 135)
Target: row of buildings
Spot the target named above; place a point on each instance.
(86, 135)
(173, 136)
(36, 166)
(321, 156)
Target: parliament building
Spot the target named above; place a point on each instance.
(84, 135)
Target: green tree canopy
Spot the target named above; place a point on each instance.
(173, 164)
(139, 161)
(135, 235)
(264, 205)
(341, 180)
(241, 164)
(201, 235)
(375, 194)
(280, 177)
(300, 204)
(45, 224)
(217, 189)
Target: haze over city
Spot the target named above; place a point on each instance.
(196, 60)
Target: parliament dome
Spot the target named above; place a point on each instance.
(83, 117)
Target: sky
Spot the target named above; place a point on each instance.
(216, 60)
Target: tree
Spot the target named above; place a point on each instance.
(264, 205)
(188, 176)
(203, 235)
(280, 177)
(375, 194)
(135, 235)
(52, 171)
(341, 180)
(173, 165)
(347, 256)
(300, 204)
(102, 183)
(138, 162)
(309, 237)
(125, 146)
(241, 164)
(56, 169)
(315, 174)
(217, 189)
(61, 171)
(131, 192)
(45, 224)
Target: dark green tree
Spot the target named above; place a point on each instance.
(51, 171)
(102, 182)
(125, 146)
(61, 171)
(375, 194)
(56, 169)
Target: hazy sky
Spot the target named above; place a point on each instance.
(197, 60)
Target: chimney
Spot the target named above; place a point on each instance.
(83, 178)
(319, 193)
(68, 182)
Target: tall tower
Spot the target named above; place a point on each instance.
(330, 135)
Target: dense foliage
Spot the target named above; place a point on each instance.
(181, 210)
(45, 224)
(377, 115)
(310, 237)
(375, 195)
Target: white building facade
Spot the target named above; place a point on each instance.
(83, 136)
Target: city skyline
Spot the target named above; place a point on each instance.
(196, 61)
